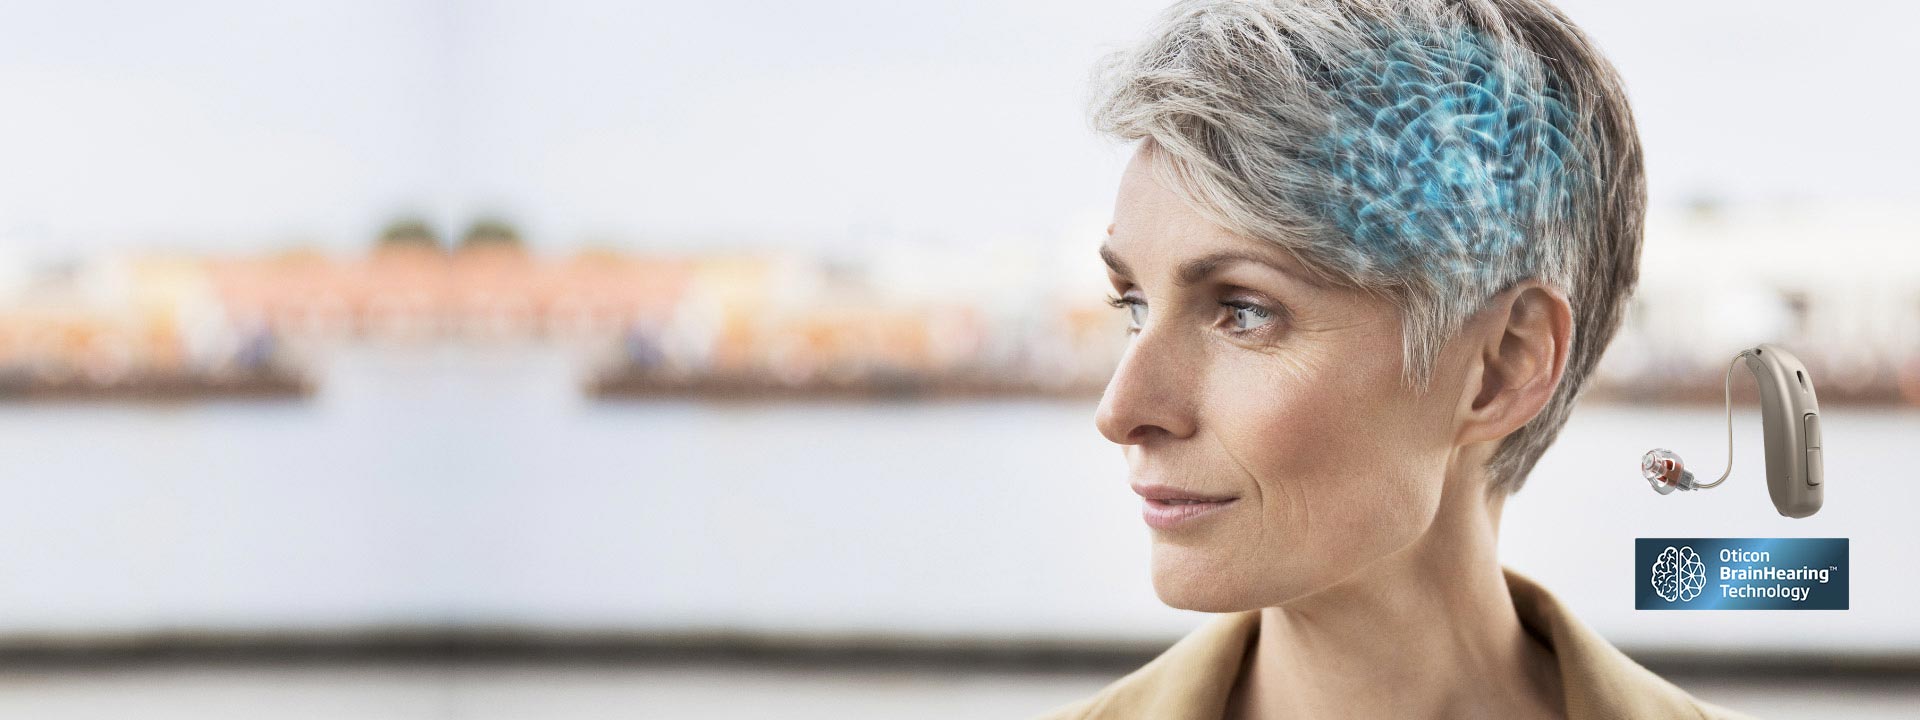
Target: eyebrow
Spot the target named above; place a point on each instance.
(1192, 272)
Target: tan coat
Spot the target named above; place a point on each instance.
(1191, 680)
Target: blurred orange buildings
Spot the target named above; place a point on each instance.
(766, 324)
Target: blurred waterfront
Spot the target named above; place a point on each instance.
(436, 490)
(445, 503)
(903, 319)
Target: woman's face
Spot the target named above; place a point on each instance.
(1244, 380)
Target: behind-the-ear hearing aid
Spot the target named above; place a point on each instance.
(1790, 417)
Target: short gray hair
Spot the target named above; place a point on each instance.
(1431, 152)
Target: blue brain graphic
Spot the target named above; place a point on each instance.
(1678, 574)
(1441, 149)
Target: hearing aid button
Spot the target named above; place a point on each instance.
(1813, 430)
(1814, 473)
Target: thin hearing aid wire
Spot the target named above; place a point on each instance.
(1727, 385)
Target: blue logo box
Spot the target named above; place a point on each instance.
(1740, 573)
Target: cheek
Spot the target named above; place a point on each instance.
(1300, 431)
(1332, 444)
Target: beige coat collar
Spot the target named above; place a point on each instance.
(1191, 680)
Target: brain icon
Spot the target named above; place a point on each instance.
(1678, 574)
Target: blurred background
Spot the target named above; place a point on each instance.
(449, 359)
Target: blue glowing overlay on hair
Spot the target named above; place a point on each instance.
(1441, 153)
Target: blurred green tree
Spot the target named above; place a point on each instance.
(491, 233)
(409, 232)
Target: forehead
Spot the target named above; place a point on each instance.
(1150, 218)
(1154, 224)
(1145, 200)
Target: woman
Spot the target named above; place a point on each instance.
(1371, 252)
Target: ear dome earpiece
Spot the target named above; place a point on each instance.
(1663, 469)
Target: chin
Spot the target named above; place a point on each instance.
(1184, 582)
(1199, 599)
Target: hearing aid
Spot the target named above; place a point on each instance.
(1790, 421)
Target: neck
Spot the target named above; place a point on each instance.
(1433, 624)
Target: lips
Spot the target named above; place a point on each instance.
(1177, 496)
(1168, 508)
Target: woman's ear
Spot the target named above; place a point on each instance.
(1521, 341)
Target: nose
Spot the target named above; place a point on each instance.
(1151, 393)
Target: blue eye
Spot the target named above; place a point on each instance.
(1248, 316)
(1137, 310)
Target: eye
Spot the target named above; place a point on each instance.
(1248, 317)
(1137, 310)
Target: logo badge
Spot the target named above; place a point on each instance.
(1740, 573)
